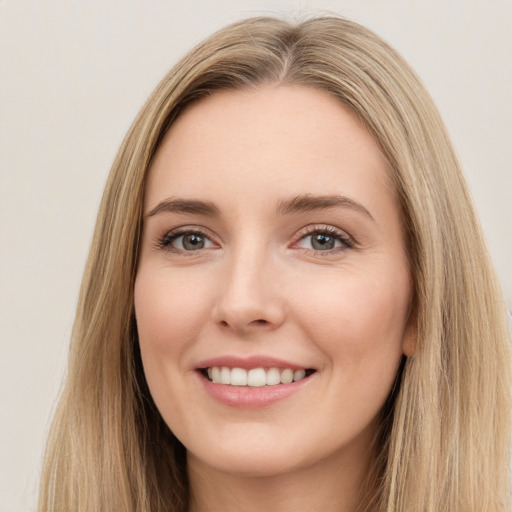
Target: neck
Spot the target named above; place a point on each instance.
(328, 486)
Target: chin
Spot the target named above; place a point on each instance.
(251, 463)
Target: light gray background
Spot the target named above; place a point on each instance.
(73, 76)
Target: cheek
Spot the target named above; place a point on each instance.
(359, 320)
(170, 312)
(169, 318)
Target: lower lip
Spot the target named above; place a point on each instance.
(246, 397)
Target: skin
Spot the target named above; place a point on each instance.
(257, 287)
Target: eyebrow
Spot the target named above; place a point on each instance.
(310, 202)
(176, 205)
(301, 203)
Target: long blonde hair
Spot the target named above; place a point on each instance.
(445, 435)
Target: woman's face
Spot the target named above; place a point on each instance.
(272, 250)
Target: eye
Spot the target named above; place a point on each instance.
(324, 239)
(186, 241)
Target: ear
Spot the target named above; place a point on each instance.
(410, 339)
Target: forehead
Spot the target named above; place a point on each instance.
(275, 139)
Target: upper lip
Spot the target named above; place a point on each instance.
(258, 361)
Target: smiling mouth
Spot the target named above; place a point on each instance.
(255, 377)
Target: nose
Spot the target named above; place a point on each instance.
(249, 301)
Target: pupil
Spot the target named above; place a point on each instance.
(193, 242)
(323, 242)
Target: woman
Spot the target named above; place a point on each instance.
(288, 301)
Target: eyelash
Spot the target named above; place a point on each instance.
(165, 242)
(331, 231)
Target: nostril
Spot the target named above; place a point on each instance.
(253, 325)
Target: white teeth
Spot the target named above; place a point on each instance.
(256, 377)
(299, 375)
(216, 374)
(239, 377)
(287, 376)
(225, 375)
(273, 377)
